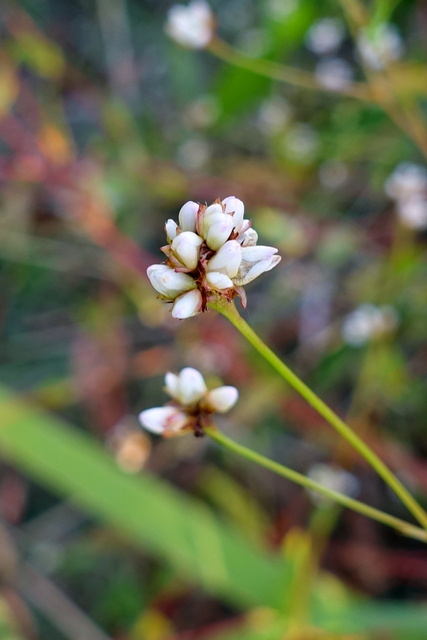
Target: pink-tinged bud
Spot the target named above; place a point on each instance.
(163, 420)
(168, 282)
(186, 248)
(187, 305)
(170, 229)
(237, 208)
(255, 254)
(192, 386)
(227, 260)
(221, 400)
(218, 280)
(187, 216)
(217, 229)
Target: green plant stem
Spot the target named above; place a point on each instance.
(282, 73)
(403, 527)
(229, 310)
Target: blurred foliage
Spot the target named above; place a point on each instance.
(106, 128)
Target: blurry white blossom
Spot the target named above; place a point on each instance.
(333, 174)
(325, 36)
(191, 405)
(407, 185)
(332, 477)
(212, 253)
(302, 143)
(334, 73)
(274, 114)
(380, 45)
(366, 322)
(191, 26)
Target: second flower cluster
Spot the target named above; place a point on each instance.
(211, 252)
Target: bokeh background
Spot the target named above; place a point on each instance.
(107, 127)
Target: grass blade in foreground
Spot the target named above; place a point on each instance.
(152, 514)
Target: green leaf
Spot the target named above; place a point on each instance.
(182, 531)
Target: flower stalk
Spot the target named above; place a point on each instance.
(228, 309)
(401, 526)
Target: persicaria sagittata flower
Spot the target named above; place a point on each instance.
(212, 252)
(191, 26)
(191, 406)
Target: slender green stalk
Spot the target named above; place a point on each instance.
(282, 73)
(230, 312)
(403, 527)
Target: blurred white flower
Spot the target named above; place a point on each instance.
(366, 322)
(191, 26)
(334, 73)
(191, 406)
(325, 36)
(211, 253)
(380, 45)
(407, 180)
(302, 143)
(274, 114)
(333, 174)
(408, 186)
(332, 477)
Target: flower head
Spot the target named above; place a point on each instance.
(380, 45)
(191, 26)
(191, 405)
(368, 322)
(212, 253)
(407, 185)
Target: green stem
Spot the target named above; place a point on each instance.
(282, 73)
(230, 312)
(396, 523)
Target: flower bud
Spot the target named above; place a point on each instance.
(249, 238)
(219, 280)
(170, 229)
(168, 282)
(217, 229)
(227, 260)
(249, 271)
(186, 247)
(187, 216)
(235, 207)
(188, 304)
(221, 399)
(187, 387)
(162, 420)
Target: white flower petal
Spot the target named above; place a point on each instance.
(191, 386)
(237, 208)
(187, 305)
(221, 399)
(219, 280)
(170, 229)
(163, 419)
(227, 260)
(168, 282)
(187, 216)
(245, 276)
(186, 247)
(172, 385)
(249, 238)
(255, 254)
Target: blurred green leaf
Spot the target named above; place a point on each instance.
(180, 530)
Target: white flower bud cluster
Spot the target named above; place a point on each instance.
(191, 26)
(212, 253)
(379, 46)
(407, 185)
(191, 406)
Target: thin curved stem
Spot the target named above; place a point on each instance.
(229, 310)
(403, 527)
(282, 73)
